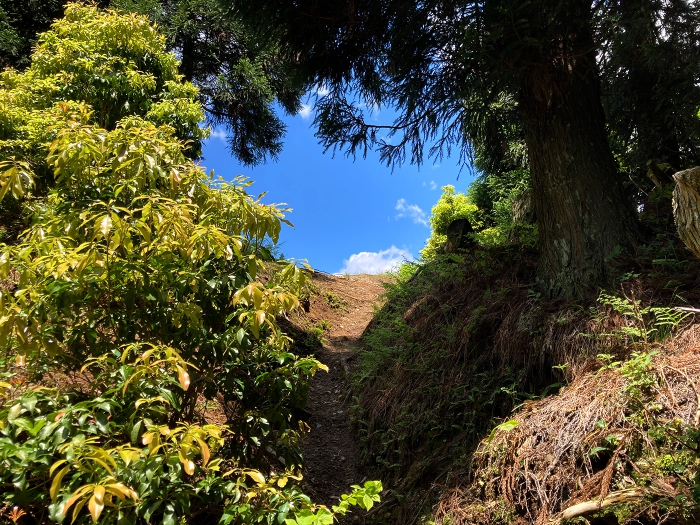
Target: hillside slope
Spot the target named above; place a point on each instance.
(468, 343)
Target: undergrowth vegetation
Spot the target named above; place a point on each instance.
(619, 445)
(435, 369)
(467, 373)
(138, 294)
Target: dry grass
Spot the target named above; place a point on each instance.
(458, 346)
(533, 472)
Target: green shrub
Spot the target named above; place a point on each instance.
(450, 207)
(334, 301)
(144, 267)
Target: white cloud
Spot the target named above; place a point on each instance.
(375, 262)
(322, 91)
(433, 186)
(434, 166)
(411, 211)
(218, 133)
(305, 111)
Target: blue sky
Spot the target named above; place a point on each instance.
(349, 216)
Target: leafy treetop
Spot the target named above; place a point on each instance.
(450, 207)
(116, 64)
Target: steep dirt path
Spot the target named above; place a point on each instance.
(331, 448)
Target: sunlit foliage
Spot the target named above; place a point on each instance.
(144, 273)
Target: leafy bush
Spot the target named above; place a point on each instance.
(121, 457)
(147, 269)
(494, 195)
(334, 301)
(405, 271)
(488, 206)
(450, 207)
(435, 369)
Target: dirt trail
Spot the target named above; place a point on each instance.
(331, 448)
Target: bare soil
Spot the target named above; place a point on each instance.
(344, 306)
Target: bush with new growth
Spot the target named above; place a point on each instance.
(142, 271)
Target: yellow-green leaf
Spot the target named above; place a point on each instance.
(183, 377)
(129, 454)
(121, 491)
(4, 265)
(96, 503)
(56, 483)
(507, 426)
(99, 494)
(257, 298)
(76, 510)
(104, 225)
(260, 317)
(256, 476)
(75, 497)
(204, 450)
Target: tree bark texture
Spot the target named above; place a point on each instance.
(686, 207)
(581, 208)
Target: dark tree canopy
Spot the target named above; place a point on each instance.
(650, 62)
(21, 21)
(447, 66)
(240, 78)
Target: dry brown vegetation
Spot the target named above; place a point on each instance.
(543, 470)
(467, 343)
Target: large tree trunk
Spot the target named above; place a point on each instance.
(582, 211)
